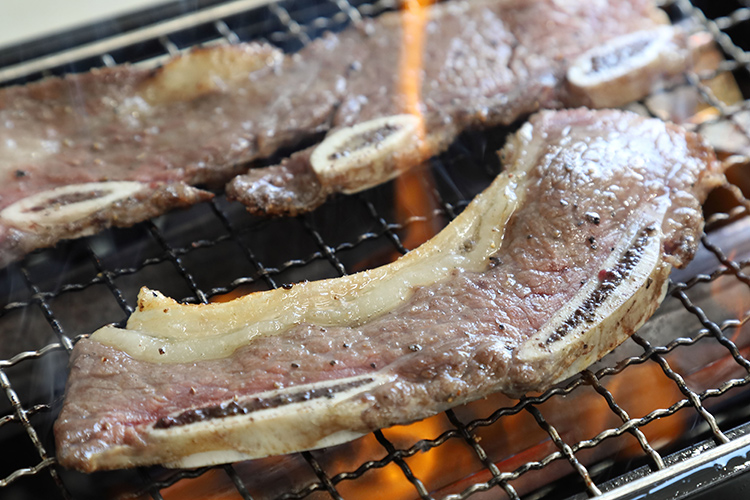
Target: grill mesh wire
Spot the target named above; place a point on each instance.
(184, 258)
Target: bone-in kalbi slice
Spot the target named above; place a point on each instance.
(113, 147)
(562, 258)
(203, 117)
(546, 67)
(75, 210)
(612, 74)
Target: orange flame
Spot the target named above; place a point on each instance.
(390, 481)
(412, 196)
(414, 19)
(204, 487)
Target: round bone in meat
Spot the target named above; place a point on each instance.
(66, 204)
(356, 158)
(609, 75)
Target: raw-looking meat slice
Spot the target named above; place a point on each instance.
(562, 258)
(110, 128)
(203, 117)
(75, 210)
(484, 65)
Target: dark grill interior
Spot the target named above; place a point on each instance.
(678, 388)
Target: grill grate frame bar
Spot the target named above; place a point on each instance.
(330, 253)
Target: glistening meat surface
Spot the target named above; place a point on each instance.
(203, 117)
(562, 258)
(483, 64)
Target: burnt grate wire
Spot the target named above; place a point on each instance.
(215, 251)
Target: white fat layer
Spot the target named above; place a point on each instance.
(351, 170)
(42, 210)
(609, 312)
(207, 458)
(164, 331)
(272, 430)
(582, 73)
(207, 70)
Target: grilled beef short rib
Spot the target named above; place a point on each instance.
(562, 258)
(484, 64)
(201, 118)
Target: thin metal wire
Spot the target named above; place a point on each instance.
(47, 311)
(293, 29)
(169, 45)
(291, 25)
(22, 416)
(652, 453)
(398, 460)
(254, 261)
(26, 471)
(226, 33)
(153, 487)
(482, 455)
(566, 450)
(694, 398)
(351, 12)
(328, 251)
(177, 261)
(108, 278)
(324, 479)
(237, 480)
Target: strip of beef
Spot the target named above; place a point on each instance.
(483, 64)
(192, 122)
(562, 258)
(203, 117)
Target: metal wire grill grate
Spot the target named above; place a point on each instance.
(216, 250)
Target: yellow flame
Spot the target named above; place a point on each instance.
(414, 19)
(413, 197)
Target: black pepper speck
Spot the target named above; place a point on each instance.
(593, 217)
